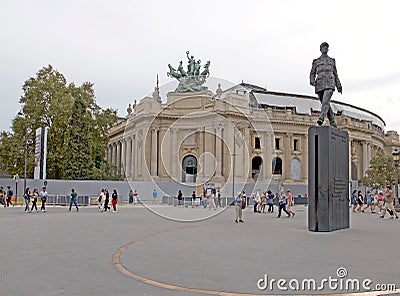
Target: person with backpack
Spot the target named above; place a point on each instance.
(35, 196)
(27, 199)
(106, 200)
(114, 201)
(10, 194)
(100, 200)
(43, 199)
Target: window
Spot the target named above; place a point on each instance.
(277, 166)
(257, 143)
(277, 144)
(296, 145)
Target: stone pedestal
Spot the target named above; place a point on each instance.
(328, 185)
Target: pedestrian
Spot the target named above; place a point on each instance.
(193, 198)
(256, 202)
(100, 200)
(130, 196)
(114, 201)
(10, 195)
(219, 199)
(354, 200)
(360, 201)
(154, 196)
(246, 199)
(27, 199)
(370, 202)
(106, 200)
(2, 196)
(74, 197)
(290, 203)
(180, 196)
(212, 201)
(263, 202)
(380, 202)
(35, 196)
(282, 201)
(239, 207)
(43, 199)
(389, 199)
(135, 197)
(270, 201)
(204, 199)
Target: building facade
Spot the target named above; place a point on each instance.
(243, 135)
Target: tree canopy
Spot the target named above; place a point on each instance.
(380, 172)
(77, 137)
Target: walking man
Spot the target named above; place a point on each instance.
(43, 199)
(74, 197)
(239, 200)
(389, 198)
(10, 194)
(324, 77)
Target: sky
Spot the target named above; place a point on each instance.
(122, 45)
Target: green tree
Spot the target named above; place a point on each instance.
(380, 172)
(48, 101)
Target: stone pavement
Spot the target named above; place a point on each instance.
(93, 253)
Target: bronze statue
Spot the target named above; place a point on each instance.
(324, 77)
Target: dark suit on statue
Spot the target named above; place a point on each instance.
(324, 77)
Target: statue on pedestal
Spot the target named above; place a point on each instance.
(194, 78)
(324, 78)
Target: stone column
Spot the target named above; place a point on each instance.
(174, 151)
(154, 146)
(365, 158)
(287, 157)
(128, 157)
(118, 157)
(268, 152)
(134, 157)
(218, 151)
(123, 158)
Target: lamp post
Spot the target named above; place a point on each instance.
(25, 150)
(396, 157)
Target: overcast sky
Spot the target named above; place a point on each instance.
(121, 45)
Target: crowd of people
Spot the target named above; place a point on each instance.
(380, 202)
(376, 201)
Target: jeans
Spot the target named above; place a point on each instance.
(27, 204)
(282, 207)
(75, 203)
(270, 208)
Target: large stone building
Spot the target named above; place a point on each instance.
(244, 135)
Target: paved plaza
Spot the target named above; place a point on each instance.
(138, 251)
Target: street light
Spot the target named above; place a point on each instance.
(396, 157)
(25, 150)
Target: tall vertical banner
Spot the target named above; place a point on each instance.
(40, 153)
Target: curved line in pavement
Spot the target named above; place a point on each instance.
(125, 271)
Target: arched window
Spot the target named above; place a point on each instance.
(189, 169)
(277, 166)
(256, 167)
(295, 169)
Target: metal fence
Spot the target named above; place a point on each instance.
(64, 200)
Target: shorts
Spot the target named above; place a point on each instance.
(389, 206)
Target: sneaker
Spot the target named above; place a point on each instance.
(381, 217)
(397, 217)
(293, 214)
(241, 221)
(236, 221)
(288, 216)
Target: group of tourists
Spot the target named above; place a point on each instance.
(104, 200)
(34, 197)
(6, 196)
(377, 202)
(260, 201)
